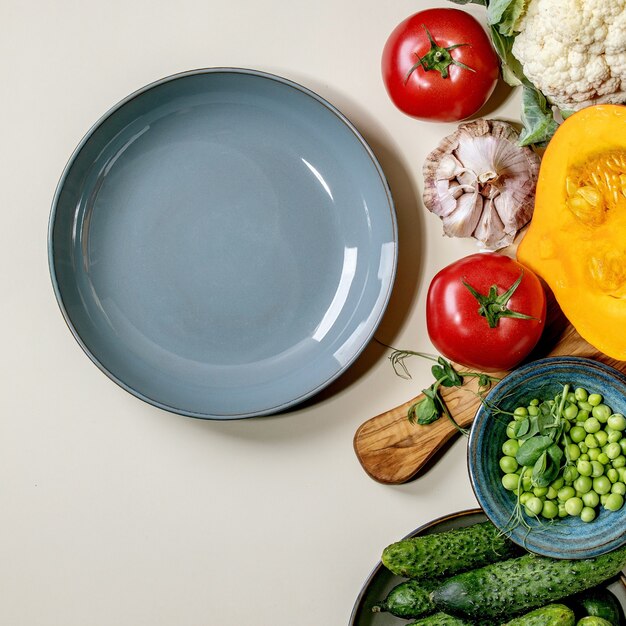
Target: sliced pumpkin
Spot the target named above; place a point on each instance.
(577, 237)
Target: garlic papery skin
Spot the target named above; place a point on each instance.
(481, 183)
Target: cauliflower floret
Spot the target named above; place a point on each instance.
(574, 51)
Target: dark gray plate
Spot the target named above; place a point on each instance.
(381, 580)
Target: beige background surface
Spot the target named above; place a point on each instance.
(116, 513)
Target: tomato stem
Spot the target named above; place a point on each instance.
(437, 58)
(493, 306)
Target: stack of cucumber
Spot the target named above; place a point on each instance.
(477, 576)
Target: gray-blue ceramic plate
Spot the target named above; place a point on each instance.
(569, 537)
(223, 243)
(381, 581)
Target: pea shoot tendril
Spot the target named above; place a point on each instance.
(432, 406)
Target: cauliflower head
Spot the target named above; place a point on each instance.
(574, 51)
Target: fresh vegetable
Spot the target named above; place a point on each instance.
(550, 615)
(593, 621)
(567, 54)
(446, 553)
(442, 619)
(439, 65)
(572, 51)
(598, 602)
(577, 238)
(523, 583)
(561, 454)
(485, 311)
(481, 183)
(410, 598)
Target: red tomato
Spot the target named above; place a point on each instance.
(439, 65)
(461, 331)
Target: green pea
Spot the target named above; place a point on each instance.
(552, 493)
(565, 493)
(614, 435)
(540, 492)
(619, 488)
(558, 483)
(562, 510)
(597, 469)
(592, 425)
(594, 399)
(571, 397)
(585, 406)
(533, 410)
(511, 430)
(574, 506)
(573, 451)
(534, 402)
(526, 496)
(613, 450)
(570, 411)
(587, 514)
(591, 441)
(577, 434)
(583, 414)
(601, 412)
(527, 483)
(612, 474)
(520, 412)
(584, 468)
(601, 485)
(617, 421)
(602, 438)
(570, 474)
(550, 510)
(603, 458)
(620, 461)
(584, 449)
(622, 443)
(591, 498)
(583, 484)
(510, 481)
(603, 498)
(534, 506)
(581, 394)
(593, 454)
(622, 473)
(585, 456)
(508, 464)
(614, 502)
(510, 447)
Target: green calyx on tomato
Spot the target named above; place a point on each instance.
(460, 334)
(493, 306)
(437, 58)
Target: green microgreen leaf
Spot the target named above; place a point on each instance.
(532, 449)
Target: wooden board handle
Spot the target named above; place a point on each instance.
(392, 450)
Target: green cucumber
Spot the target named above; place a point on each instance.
(550, 615)
(442, 619)
(447, 553)
(410, 598)
(598, 603)
(523, 583)
(592, 620)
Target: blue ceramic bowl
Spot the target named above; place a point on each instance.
(562, 538)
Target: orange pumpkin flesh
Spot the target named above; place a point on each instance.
(577, 237)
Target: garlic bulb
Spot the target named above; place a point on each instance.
(481, 183)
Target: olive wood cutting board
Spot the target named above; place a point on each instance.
(393, 451)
